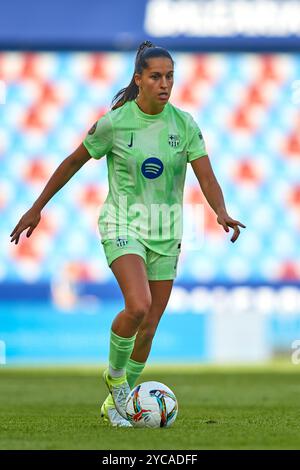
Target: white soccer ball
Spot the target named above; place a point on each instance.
(151, 405)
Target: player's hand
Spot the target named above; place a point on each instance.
(226, 221)
(29, 221)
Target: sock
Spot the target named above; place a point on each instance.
(133, 371)
(119, 354)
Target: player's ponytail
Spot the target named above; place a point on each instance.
(145, 51)
(130, 92)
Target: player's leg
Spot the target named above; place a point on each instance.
(161, 272)
(130, 272)
(160, 293)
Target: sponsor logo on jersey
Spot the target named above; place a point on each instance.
(152, 168)
(93, 129)
(174, 140)
(121, 242)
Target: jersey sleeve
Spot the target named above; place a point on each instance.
(196, 145)
(99, 138)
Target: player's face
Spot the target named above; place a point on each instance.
(156, 82)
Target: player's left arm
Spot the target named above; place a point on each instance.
(214, 196)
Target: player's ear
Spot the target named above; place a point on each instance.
(137, 79)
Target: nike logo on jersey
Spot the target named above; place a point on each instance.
(131, 140)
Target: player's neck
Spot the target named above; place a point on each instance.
(149, 108)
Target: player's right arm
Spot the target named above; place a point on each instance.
(60, 177)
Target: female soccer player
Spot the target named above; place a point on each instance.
(148, 143)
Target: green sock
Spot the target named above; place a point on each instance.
(133, 371)
(119, 354)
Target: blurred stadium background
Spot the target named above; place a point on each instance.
(239, 76)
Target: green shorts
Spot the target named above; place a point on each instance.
(159, 267)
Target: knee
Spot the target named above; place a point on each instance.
(138, 309)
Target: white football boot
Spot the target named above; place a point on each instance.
(110, 415)
(119, 390)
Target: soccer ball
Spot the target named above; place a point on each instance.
(151, 405)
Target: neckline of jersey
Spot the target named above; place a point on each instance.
(148, 117)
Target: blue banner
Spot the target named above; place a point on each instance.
(175, 24)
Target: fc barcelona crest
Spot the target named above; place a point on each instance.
(174, 140)
(121, 241)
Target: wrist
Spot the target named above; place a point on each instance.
(221, 211)
(37, 207)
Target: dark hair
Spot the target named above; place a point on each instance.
(146, 51)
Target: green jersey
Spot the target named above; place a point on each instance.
(147, 156)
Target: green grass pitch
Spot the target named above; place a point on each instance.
(219, 408)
